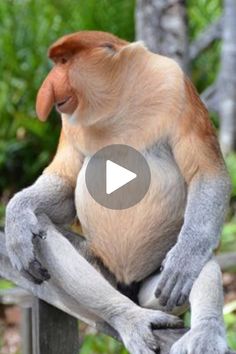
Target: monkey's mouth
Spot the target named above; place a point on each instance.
(63, 103)
(67, 105)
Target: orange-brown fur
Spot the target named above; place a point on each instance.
(128, 95)
(67, 161)
(195, 143)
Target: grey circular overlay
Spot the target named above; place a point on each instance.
(117, 176)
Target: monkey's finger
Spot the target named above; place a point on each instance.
(143, 342)
(177, 348)
(161, 282)
(30, 277)
(174, 296)
(41, 234)
(166, 321)
(183, 297)
(153, 345)
(37, 271)
(167, 290)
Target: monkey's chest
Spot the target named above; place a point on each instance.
(133, 242)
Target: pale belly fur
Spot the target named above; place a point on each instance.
(133, 242)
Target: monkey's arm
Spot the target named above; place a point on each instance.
(198, 156)
(53, 195)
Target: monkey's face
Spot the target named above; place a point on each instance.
(87, 76)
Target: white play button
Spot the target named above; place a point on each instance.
(117, 176)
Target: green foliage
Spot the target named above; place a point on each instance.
(230, 321)
(200, 14)
(5, 284)
(231, 165)
(228, 244)
(228, 240)
(101, 344)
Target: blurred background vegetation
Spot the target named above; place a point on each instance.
(27, 28)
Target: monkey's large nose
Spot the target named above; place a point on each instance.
(45, 98)
(55, 90)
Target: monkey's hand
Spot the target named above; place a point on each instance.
(22, 229)
(136, 326)
(50, 195)
(180, 269)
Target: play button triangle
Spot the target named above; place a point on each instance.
(117, 176)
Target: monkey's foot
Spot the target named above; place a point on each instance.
(136, 329)
(207, 337)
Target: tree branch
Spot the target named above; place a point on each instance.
(206, 38)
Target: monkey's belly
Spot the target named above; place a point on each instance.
(133, 242)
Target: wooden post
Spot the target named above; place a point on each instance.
(26, 330)
(53, 331)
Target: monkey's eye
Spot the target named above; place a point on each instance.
(109, 46)
(62, 59)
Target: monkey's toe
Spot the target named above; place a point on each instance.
(41, 234)
(37, 272)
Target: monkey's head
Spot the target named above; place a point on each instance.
(89, 74)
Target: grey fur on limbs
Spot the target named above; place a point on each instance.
(77, 288)
(207, 203)
(51, 195)
(57, 296)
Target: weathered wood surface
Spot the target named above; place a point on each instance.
(51, 294)
(16, 296)
(53, 330)
(44, 328)
(26, 330)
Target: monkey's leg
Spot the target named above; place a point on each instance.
(92, 292)
(207, 333)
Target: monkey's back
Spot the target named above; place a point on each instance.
(133, 242)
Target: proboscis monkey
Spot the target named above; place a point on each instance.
(109, 91)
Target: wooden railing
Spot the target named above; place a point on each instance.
(44, 328)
